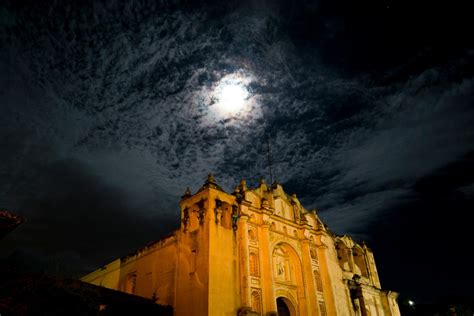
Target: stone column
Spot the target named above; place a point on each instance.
(268, 288)
(244, 260)
(310, 289)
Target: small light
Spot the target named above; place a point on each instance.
(411, 303)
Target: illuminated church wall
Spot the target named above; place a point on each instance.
(253, 252)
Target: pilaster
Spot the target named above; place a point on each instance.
(324, 264)
(267, 271)
(310, 286)
(244, 260)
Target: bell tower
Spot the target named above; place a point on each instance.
(207, 270)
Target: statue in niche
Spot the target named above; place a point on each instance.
(296, 209)
(218, 211)
(280, 267)
(201, 211)
(235, 216)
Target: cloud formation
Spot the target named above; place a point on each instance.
(108, 115)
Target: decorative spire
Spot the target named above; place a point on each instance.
(186, 194)
(211, 179)
(211, 183)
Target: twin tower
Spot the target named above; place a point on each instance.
(253, 252)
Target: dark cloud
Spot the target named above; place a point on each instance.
(419, 131)
(82, 220)
(108, 113)
(435, 225)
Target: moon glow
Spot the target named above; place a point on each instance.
(231, 96)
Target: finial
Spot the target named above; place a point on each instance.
(243, 185)
(187, 193)
(210, 183)
(210, 178)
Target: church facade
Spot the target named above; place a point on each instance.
(253, 252)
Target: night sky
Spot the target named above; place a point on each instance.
(108, 111)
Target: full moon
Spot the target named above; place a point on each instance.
(230, 99)
(231, 96)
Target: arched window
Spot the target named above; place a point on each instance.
(253, 258)
(256, 302)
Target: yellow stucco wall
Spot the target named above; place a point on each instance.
(108, 276)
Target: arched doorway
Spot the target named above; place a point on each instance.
(284, 307)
